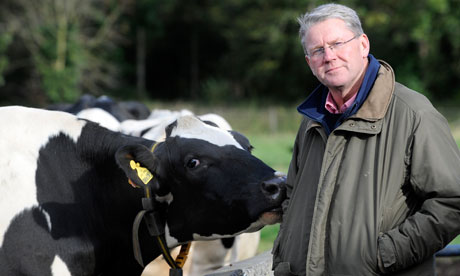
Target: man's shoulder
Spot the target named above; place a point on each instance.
(416, 105)
(411, 98)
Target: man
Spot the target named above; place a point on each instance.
(374, 181)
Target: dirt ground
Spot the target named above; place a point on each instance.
(448, 266)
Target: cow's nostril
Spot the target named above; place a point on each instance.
(272, 188)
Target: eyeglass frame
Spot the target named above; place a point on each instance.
(319, 52)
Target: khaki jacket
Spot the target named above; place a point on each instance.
(384, 184)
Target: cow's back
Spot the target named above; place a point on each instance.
(24, 132)
(63, 199)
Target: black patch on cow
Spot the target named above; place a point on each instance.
(210, 123)
(143, 132)
(111, 106)
(121, 111)
(228, 242)
(242, 140)
(170, 128)
(137, 109)
(85, 101)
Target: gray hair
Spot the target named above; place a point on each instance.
(328, 11)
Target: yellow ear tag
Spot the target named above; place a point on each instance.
(144, 174)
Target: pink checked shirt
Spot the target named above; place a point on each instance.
(332, 107)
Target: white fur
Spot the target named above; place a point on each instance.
(166, 198)
(135, 127)
(47, 218)
(23, 132)
(165, 113)
(253, 227)
(170, 241)
(101, 117)
(156, 124)
(192, 128)
(59, 268)
(210, 255)
(217, 119)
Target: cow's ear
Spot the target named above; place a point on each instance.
(139, 164)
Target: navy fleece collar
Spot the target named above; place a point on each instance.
(313, 106)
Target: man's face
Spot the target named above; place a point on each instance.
(341, 67)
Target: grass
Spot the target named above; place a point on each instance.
(456, 240)
(273, 149)
(267, 237)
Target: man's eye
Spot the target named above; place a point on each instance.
(338, 44)
(318, 51)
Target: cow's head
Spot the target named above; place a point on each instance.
(212, 184)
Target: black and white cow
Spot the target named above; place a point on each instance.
(120, 110)
(66, 207)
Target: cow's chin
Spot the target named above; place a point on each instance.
(271, 217)
(266, 218)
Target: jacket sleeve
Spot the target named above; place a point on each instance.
(291, 176)
(434, 164)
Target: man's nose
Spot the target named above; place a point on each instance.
(329, 54)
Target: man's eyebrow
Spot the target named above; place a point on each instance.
(328, 43)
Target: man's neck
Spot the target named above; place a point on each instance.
(341, 94)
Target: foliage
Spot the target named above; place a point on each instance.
(5, 41)
(244, 49)
(66, 43)
(57, 61)
(420, 39)
(214, 51)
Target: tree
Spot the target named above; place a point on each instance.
(421, 40)
(68, 43)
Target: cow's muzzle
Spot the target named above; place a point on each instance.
(275, 188)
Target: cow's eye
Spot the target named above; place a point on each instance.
(193, 163)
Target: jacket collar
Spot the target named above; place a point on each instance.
(376, 105)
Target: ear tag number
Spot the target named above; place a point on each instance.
(144, 174)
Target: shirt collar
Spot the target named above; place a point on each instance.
(332, 106)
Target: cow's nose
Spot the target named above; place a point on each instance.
(275, 188)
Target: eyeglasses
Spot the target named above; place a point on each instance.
(318, 53)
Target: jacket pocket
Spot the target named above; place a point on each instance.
(283, 269)
(387, 254)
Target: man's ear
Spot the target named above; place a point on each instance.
(307, 60)
(139, 165)
(365, 45)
